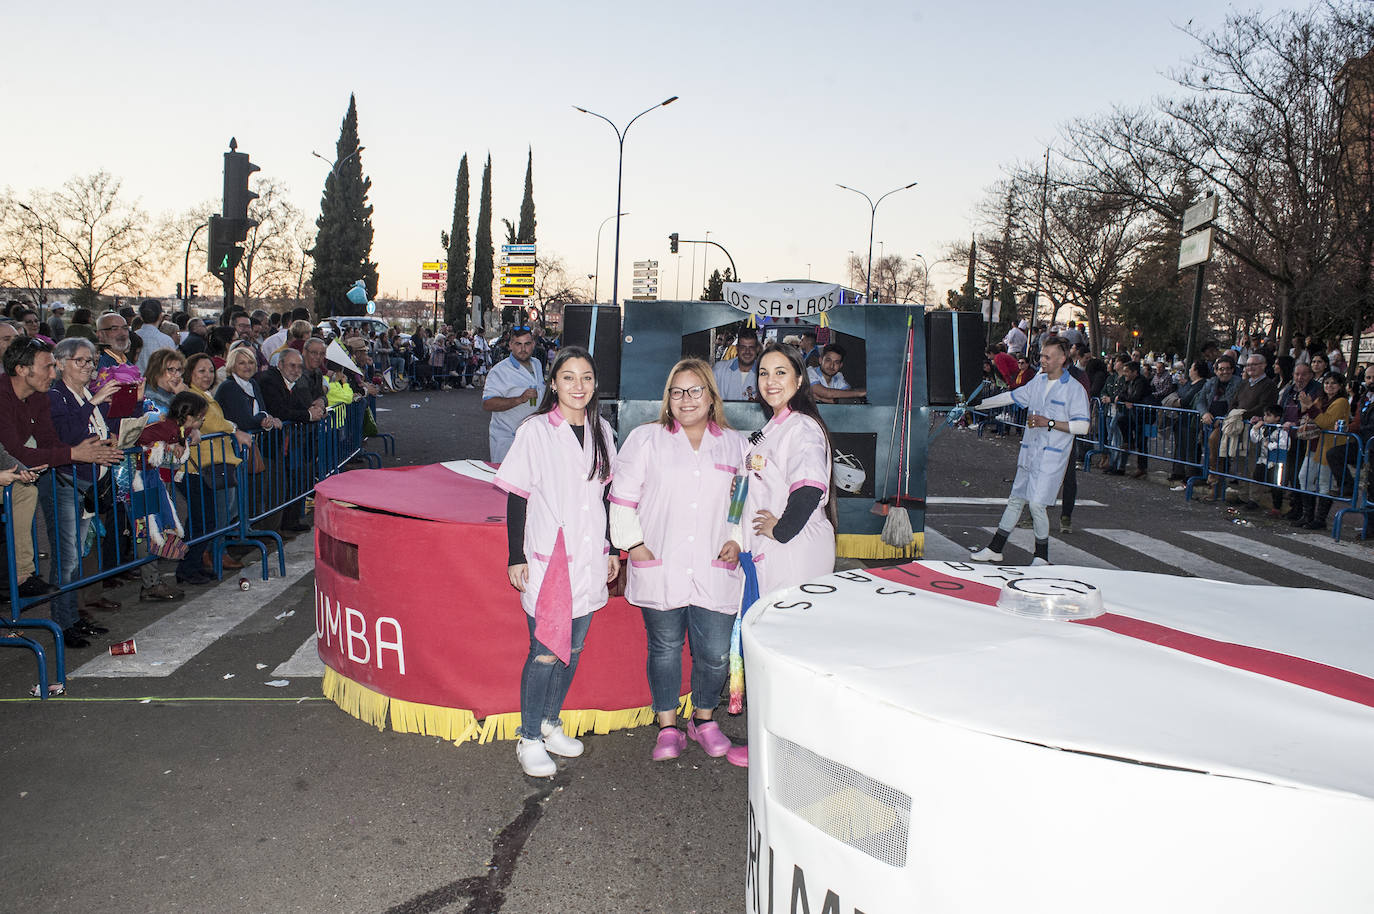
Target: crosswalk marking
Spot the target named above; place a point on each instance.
(171, 641)
(940, 548)
(1324, 541)
(1291, 561)
(981, 500)
(1181, 559)
(1061, 553)
(303, 664)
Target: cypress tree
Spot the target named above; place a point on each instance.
(343, 243)
(482, 265)
(527, 221)
(459, 251)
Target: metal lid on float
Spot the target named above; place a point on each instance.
(1263, 683)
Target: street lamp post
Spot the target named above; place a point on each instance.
(42, 259)
(596, 279)
(619, 184)
(334, 166)
(186, 272)
(872, 219)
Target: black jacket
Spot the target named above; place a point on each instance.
(287, 405)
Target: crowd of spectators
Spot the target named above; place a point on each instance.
(196, 389)
(1284, 427)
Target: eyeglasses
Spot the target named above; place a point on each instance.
(691, 393)
(174, 369)
(83, 362)
(30, 343)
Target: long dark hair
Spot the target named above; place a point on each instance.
(602, 466)
(803, 402)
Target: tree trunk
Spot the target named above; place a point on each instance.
(1094, 324)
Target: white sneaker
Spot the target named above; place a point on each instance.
(534, 758)
(986, 555)
(560, 743)
(1039, 561)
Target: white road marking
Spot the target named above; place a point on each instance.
(1324, 541)
(1061, 553)
(960, 500)
(1179, 558)
(1292, 561)
(171, 641)
(940, 548)
(304, 663)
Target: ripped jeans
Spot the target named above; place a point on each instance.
(544, 684)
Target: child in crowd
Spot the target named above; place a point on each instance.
(1272, 441)
(165, 453)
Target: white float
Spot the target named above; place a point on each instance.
(1197, 747)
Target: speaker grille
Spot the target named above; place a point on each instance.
(849, 806)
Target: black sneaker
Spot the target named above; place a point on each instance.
(87, 627)
(36, 587)
(72, 638)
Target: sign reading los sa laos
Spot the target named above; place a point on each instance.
(782, 299)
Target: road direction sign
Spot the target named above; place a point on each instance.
(436, 265)
(521, 291)
(434, 275)
(517, 249)
(644, 298)
(517, 280)
(437, 286)
(1200, 213)
(511, 300)
(1195, 249)
(527, 259)
(517, 271)
(639, 273)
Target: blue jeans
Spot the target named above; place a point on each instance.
(544, 684)
(66, 534)
(708, 634)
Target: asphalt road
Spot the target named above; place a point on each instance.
(209, 790)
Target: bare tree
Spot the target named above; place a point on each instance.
(24, 253)
(555, 287)
(101, 240)
(1258, 120)
(272, 253)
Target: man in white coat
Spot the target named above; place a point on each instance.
(1057, 410)
(513, 389)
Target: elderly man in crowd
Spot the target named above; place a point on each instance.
(287, 397)
(1250, 395)
(1218, 397)
(27, 434)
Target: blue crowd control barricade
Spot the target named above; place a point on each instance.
(1359, 478)
(17, 628)
(388, 441)
(262, 483)
(209, 492)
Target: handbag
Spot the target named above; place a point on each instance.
(102, 493)
(172, 547)
(253, 461)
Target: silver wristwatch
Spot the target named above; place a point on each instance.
(1050, 425)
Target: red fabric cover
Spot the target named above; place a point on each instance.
(553, 607)
(444, 584)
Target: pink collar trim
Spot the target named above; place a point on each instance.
(781, 415)
(675, 426)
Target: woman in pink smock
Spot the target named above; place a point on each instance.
(789, 524)
(668, 509)
(555, 476)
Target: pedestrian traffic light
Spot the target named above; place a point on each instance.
(237, 170)
(672, 243)
(223, 254)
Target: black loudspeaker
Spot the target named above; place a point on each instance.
(577, 331)
(955, 341)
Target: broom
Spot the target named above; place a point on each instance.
(897, 530)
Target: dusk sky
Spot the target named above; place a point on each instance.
(778, 103)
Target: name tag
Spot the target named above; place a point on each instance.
(756, 462)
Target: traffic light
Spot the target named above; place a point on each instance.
(223, 253)
(237, 170)
(672, 243)
(179, 290)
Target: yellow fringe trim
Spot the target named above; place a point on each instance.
(871, 546)
(460, 726)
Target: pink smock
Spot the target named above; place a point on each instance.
(792, 454)
(548, 467)
(681, 498)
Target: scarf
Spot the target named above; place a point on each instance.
(247, 387)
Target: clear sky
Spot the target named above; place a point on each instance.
(778, 102)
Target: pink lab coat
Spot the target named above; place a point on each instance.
(548, 467)
(792, 454)
(681, 498)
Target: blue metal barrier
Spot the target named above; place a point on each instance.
(1361, 477)
(218, 503)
